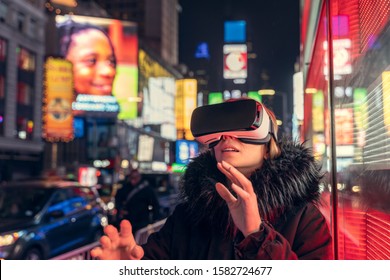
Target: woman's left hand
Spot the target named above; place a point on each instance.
(243, 208)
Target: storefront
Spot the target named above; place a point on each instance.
(347, 118)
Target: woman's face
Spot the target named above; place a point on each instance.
(245, 157)
(93, 62)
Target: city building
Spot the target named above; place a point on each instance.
(22, 52)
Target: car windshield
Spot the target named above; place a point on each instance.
(22, 202)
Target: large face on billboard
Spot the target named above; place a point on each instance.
(105, 76)
(93, 59)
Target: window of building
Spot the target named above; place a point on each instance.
(3, 49)
(24, 94)
(2, 99)
(24, 128)
(3, 11)
(20, 21)
(24, 121)
(33, 27)
(26, 59)
(2, 87)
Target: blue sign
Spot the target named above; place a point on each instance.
(78, 126)
(202, 51)
(186, 150)
(235, 31)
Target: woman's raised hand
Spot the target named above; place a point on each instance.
(243, 208)
(118, 245)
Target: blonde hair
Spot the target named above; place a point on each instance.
(273, 146)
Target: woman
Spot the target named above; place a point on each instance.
(90, 50)
(244, 198)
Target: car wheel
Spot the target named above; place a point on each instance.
(32, 254)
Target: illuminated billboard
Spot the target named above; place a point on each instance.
(215, 98)
(186, 150)
(145, 148)
(360, 114)
(235, 61)
(157, 96)
(104, 57)
(342, 63)
(344, 126)
(57, 101)
(235, 31)
(186, 92)
(386, 99)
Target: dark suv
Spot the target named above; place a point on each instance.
(40, 219)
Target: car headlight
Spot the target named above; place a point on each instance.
(10, 238)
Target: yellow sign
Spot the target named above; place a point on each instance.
(318, 112)
(386, 99)
(68, 3)
(185, 103)
(58, 98)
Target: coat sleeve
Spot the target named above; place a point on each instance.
(310, 239)
(159, 243)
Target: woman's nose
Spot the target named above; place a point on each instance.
(225, 137)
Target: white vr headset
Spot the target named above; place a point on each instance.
(244, 119)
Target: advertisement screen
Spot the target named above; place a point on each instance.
(215, 97)
(344, 126)
(185, 151)
(159, 105)
(57, 102)
(103, 53)
(145, 148)
(156, 95)
(235, 61)
(78, 125)
(235, 31)
(185, 103)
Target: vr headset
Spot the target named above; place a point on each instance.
(244, 119)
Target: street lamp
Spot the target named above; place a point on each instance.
(266, 92)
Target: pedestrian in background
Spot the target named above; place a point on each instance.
(137, 202)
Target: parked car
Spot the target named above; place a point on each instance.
(40, 219)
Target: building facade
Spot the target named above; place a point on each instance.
(22, 51)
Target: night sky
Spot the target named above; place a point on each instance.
(272, 28)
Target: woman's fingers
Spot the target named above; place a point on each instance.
(118, 245)
(240, 192)
(225, 193)
(96, 252)
(227, 173)
(239, 178)
(126, 234)
(136, 253)
(112, 238)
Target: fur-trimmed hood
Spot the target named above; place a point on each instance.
(281, 185)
